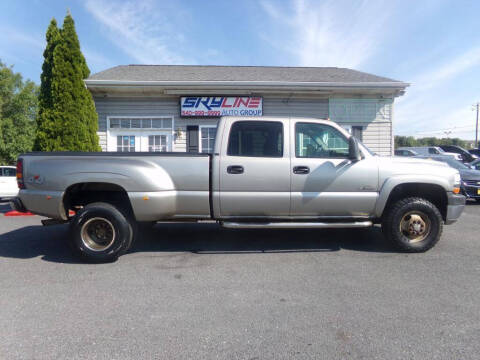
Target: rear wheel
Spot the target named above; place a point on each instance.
(100, 232)
(413, 224)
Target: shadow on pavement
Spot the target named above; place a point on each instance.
(50, 242)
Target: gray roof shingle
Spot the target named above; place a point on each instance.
(236, 73)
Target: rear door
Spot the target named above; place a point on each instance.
(8, 182)
(324, 181)
(254, 171)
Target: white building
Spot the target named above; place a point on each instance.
(176, 107)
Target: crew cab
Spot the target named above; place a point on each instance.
(265, 172)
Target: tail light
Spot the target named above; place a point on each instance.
(20, 183)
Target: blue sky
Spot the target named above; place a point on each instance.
(432, 44)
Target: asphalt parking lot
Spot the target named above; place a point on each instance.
(202, 292)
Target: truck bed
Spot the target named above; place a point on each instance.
(159, 185)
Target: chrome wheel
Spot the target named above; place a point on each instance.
(97, 234)
(415, 225)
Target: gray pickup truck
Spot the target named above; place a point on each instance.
(264, 173)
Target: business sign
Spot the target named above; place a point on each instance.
(221, 106)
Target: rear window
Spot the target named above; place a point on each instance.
(9, 172)
(256, 138)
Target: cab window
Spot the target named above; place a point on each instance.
(9, 172)
(319, 141)
(256, 138)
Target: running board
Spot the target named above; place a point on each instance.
(296, 225)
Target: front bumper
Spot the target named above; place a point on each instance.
(471, 192)
(456, 204)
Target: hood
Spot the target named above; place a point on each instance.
(405, 160)
(470, 174)
(402, 165)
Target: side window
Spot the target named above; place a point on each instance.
(256, 138)
(9, 172)
(433, 151)
(319, 141)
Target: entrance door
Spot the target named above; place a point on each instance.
(255, 172)
(324, 181)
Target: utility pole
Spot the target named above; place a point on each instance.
(476, 126)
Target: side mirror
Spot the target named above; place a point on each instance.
(353, 150)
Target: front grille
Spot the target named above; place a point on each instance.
(472, 182)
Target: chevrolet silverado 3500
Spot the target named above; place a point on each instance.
(265, 172)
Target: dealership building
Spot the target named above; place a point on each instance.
(177, 107)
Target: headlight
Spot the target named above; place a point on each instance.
(457, 179)
(456, 183)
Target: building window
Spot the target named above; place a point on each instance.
(157, 143)
(207, 138)
(125, 143)
(141, 123)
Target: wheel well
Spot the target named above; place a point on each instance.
(81, 194)
(434, 193)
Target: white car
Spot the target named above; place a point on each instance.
(431, 151)
(8, 182)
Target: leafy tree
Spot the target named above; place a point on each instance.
(18, 108)
(69, 121)
(401, 141)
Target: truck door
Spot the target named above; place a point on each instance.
(254, 170)
(324, 181)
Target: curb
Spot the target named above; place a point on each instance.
(18, 213)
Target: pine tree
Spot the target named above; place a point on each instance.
(45, 122)
(71, 121)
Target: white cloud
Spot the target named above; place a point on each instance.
(140, 29)
(329, 33)
(435, 105)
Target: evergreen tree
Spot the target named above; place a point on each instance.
(69, 121)
(45, 122)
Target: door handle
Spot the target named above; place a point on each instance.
(235, 169)
(301, 170)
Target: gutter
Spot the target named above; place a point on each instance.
(278, 84)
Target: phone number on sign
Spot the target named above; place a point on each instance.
(200, 113)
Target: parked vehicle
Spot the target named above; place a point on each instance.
(475, 164)
(431, 151)
(470, 177)
(405, 152)
(8, 182)
(466, 156)
(265, 172)
(475, 152)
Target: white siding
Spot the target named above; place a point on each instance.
(102, 139)
(374, 115)
(275, 106)
(377, 137)
(149, 106)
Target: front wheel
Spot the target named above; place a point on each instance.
(413, 225)
(100, 233)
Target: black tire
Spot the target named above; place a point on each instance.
(100, 233)
(403, 210)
